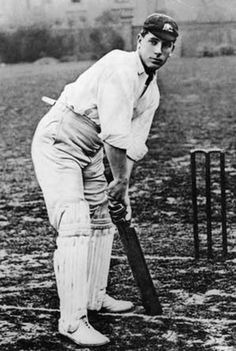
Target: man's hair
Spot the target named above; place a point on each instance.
(144, 32)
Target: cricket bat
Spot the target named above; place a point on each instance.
(136, 260)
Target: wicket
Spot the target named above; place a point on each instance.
(207, 153)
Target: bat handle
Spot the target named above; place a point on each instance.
(48, 100)
(117, 211)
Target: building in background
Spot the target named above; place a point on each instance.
(62, 13)
(81, 13)
(199, 19)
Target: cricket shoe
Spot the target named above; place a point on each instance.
(85, 335)
(112, 305)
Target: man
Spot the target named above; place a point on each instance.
(110, 106)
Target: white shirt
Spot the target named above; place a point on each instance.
(109, 93)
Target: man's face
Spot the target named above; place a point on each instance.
(154, 51)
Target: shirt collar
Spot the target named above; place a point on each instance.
(140, 67)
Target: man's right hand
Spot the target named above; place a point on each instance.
(117, 191)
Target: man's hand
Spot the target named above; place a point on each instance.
(117, 190)
(127, 214)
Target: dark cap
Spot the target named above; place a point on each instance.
(162, 26)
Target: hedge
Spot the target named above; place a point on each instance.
(27, 44)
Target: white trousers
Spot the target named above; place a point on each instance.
(68, 160)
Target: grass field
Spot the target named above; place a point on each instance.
(198, 297)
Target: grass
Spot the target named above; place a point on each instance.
(197, 110)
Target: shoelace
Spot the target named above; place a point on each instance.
(86, 322)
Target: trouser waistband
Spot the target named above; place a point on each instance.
(61, 105)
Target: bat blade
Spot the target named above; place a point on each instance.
(138, 264)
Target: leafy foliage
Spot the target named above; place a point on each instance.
(31, 43)
(216, 50)
(105, 39)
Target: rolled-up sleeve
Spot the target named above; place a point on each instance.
(140, 129)
(115, 102)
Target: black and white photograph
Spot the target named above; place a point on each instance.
(117, 175)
